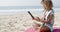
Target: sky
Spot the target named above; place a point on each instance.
(25, 2)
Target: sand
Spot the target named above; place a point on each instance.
(20, 22)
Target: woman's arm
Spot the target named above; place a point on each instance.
(49, 19)
(45, 21)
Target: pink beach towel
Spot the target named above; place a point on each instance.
(56, 29)
(31, 29)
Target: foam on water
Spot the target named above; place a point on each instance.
(23, 11)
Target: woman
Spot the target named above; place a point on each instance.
(48, 17)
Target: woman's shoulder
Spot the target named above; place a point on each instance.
(51, 11)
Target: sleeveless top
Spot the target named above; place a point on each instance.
(46, 15)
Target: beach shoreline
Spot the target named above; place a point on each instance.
(19, 22)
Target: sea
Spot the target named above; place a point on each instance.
(8, 10)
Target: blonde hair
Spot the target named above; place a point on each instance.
(48, 3)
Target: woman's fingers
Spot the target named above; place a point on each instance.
(37, 19)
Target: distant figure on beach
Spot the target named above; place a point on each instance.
(47, 20)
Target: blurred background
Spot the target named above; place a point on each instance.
(14, 16)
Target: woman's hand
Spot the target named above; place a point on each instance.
(37, 19)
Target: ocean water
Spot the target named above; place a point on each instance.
(7, 10)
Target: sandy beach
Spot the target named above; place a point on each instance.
(20, 22)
